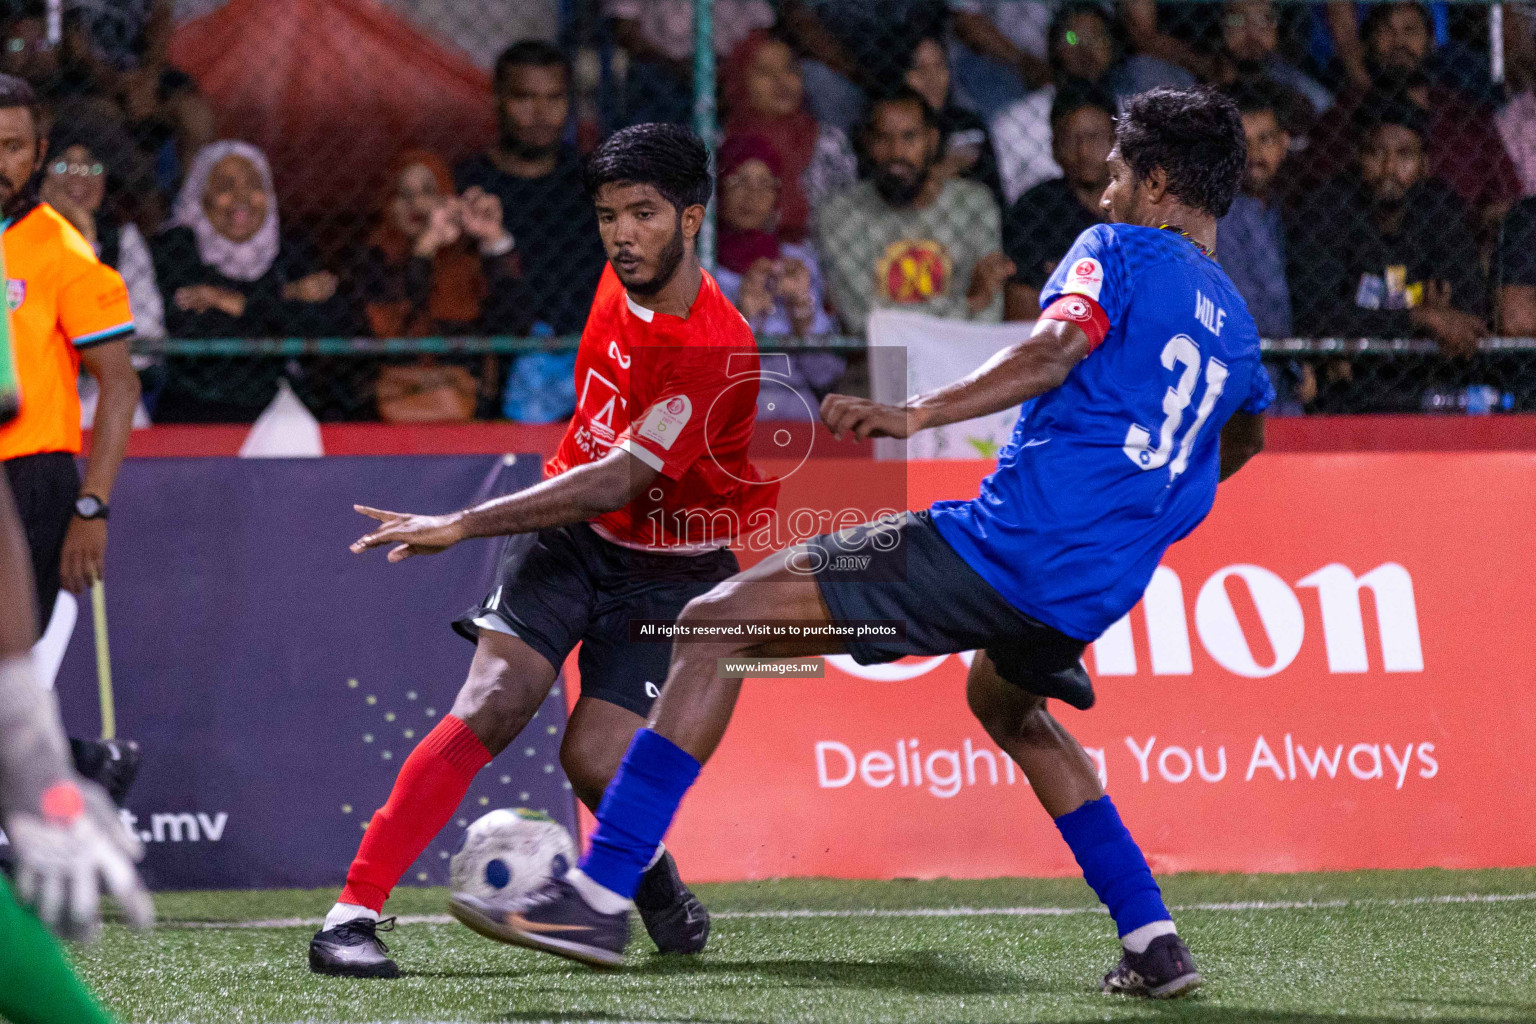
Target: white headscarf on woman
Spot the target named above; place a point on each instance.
(240, 261)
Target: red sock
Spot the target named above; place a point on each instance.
(431, 784)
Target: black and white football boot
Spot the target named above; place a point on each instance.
(111, 764)
(1164, 971)
(353, 950)
(673, 916)
(554, 919)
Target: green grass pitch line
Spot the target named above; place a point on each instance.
(1357, 948)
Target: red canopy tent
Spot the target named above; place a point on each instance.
(333, 90)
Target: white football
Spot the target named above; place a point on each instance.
(509, 853)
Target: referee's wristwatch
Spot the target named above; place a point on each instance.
(88, 506)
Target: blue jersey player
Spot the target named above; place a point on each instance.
(1142, 388)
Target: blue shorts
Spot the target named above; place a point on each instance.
(901, 568)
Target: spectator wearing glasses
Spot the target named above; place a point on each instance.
(116, 53)
(776, 285)
(764, 95)
(1250, 36)
(83, 179)
(1040, 228)
(30, 55)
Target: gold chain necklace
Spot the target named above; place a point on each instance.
(1204, 251)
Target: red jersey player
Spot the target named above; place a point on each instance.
(649, 485)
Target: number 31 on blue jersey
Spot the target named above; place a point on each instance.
(1181, 355)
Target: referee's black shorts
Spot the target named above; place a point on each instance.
(45, 487)
(900, 567)
(567, 585)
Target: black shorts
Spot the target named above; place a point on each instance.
(902, 568)
(566, 585)
(45, 487)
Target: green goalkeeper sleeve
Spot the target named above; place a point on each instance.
(37, 985)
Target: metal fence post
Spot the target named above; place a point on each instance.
(704, 110)
(1496, 43)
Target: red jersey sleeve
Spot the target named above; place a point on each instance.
(672, 432)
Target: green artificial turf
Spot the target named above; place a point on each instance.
(1396, 950)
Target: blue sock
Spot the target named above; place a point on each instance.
(637, 810)
(1113, 865)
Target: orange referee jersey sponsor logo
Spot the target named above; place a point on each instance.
(112, 298)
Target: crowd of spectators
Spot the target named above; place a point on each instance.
(933, 155)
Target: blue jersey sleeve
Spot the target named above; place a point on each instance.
(1261, 392)
(1095, 267)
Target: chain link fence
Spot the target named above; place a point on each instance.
(380, 200)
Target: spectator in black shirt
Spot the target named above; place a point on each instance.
(1040, 228)
(965, 144)
(1390, 253)
(538, 180)
(225, 267)
(226, 270)
(1386, 254)
(1515, 271)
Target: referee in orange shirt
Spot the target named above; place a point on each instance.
(67, 309)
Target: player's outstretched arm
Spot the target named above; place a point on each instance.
(1241, 439)
(1013, 376)
(575, 496)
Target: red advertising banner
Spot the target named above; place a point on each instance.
(1332, 672)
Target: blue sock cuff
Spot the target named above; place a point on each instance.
(637, 810)
(1095, 822)
(1113, 865)
(654, 754)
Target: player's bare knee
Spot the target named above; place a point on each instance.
(1004, 711)
(495, 703)
(1036, 725)
(719, 603)
(588, 766)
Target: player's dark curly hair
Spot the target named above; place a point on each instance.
(1195, 135)
(668, 157)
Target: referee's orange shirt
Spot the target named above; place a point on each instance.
(62, 299)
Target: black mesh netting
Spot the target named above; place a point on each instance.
(407, 171)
